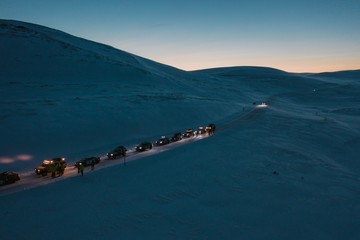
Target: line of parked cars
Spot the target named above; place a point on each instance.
(120, 151)
(59, 164)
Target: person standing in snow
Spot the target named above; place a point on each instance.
(62, 169)
(92, 165)
(58, 169)
(81, 168)
(53, 170)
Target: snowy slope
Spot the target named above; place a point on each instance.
(222, 187)
(58, 90)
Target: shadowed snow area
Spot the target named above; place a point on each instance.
(285, 170)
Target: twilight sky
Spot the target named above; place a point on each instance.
(292, 35)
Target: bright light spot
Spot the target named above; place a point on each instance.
(262, 105)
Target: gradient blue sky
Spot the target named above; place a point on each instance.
(296, 36)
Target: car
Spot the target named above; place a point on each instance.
(8, 178)
(188, 133)
(120, 151)
(45, 167)
(143, 147)
(201, 131)
(162, 141)
(176, 137)
(210, 128)
(87, 161)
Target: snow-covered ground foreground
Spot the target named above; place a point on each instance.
(287, 170)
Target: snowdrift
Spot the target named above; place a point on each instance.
(289, 170)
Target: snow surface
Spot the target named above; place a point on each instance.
(286, 171)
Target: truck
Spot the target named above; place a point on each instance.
(47, 164)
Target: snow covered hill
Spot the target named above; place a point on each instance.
(58, 90)
(286, 171)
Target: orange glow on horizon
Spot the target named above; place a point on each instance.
(305, 66)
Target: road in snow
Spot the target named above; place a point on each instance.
(30, 180)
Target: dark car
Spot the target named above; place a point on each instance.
(176, 137)
(87, 161)
(45, 167)
(210, 128)
(8, 177)
(117, 152)
(162, 141)
(143, 147)
(201, 131)
(188, 133)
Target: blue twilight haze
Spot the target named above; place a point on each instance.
(297, 36)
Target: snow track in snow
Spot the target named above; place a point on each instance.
(31, 180)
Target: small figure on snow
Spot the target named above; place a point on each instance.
(53, 170)
(81, 168)
(62, 169)
(92, 165)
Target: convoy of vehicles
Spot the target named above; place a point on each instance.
(59, 164)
